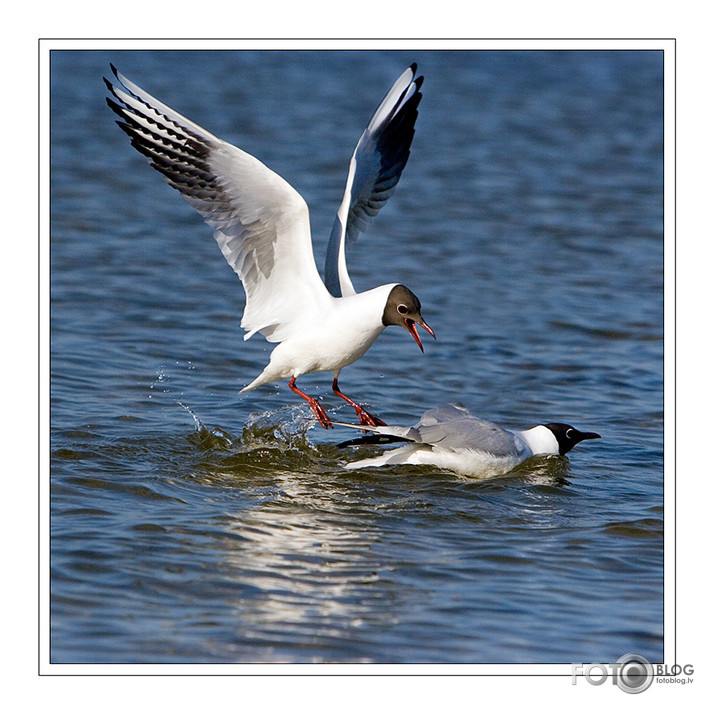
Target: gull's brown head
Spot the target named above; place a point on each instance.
(403, 308)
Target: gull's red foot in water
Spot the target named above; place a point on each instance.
(363, 415)
(314, 404)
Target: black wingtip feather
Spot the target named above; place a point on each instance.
(372, 439)
(116, 108)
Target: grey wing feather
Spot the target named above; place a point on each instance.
(450, 428)
(375, 168)
(453, 428)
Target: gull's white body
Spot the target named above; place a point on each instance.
(341, 334)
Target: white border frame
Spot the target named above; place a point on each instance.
(46, 45)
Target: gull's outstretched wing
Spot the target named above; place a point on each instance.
(375, 169)
(260, 222)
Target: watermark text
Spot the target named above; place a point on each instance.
(633, 673)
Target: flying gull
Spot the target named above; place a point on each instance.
(261, 225)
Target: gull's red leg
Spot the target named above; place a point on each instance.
(319, 411)
(365, 417)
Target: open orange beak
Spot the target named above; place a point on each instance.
(412, 329)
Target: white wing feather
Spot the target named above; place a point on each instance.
(260, 222)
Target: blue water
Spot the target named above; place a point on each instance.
(193, 524)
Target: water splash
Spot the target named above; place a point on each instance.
(206, 438)
(159, 382)
(285, 427)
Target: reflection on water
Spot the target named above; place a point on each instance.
(311, 577)
(193, 524)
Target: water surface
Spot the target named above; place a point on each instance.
(193, 524)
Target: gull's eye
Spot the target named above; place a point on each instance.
(402, 309)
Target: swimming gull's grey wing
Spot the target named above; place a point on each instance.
(375, 168)
(449, 428)
(453, 428)
(260, 222)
